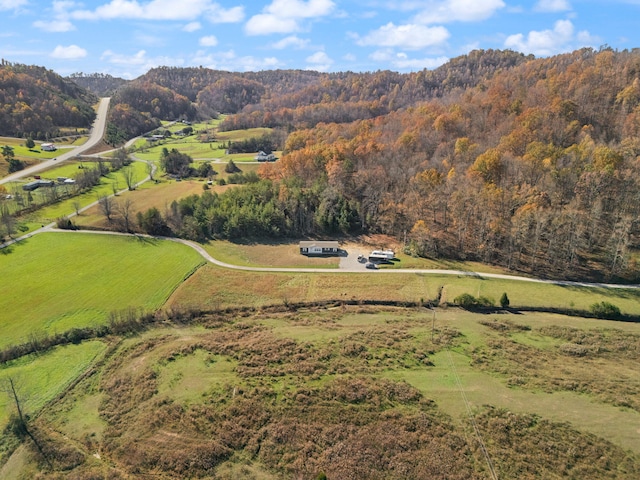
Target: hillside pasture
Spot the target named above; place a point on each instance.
(198, 150)
(266, 253)
(213, 287)
(319, 390)
(158, 195)
(39, 378)
(64, 280)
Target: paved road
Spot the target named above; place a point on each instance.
(344, 268)
(94, 138)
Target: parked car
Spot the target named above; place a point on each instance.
(372, 266)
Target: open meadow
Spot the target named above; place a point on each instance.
(64, 280)
(198, 149)
(297, 394)
(255, 387)
(214, 287)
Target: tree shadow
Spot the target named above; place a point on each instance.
(146, 240)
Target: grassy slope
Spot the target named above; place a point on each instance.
(311, 388)
(213, 287)
(39, 378)
(64, 280)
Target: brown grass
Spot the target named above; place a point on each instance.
(266, 253)
(159, 196)
(215, 287)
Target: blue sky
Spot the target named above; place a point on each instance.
(126, 38)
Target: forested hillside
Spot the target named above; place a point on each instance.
(495, 156)
(533, 167)
(300, 98)
(536, 169)
(36, 102)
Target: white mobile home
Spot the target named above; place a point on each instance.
(319, 247)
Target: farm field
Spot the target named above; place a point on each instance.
(149, 195)
(319, 390)
(39, 378)
(224, 288)
(199, 150)
(65, 280)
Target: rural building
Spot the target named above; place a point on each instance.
(48, 147)
(265, 157)
(319, 248)
(29, 187)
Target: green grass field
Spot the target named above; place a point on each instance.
(39, 378)
(293, 382)
(65, 280)
(191, 146)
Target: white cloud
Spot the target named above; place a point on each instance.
(405, 36)
(401, 61)
(208, 41)
(218, 14)
(319, 57)
(192, 27)
(265, 24)
(131, 66)
(12, 4)
(300, 9)
(138, 59)
(54, 25)
(57, 18)
(458, 11)
(319, 61)
(72, 52)
(284, 16)
(162, 10)
(418, 63)
(552, 6)
(550, 42)
(292, 41)
(228, 61)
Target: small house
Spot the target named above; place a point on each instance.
(48, 147)
(265, 157)
(319, 247)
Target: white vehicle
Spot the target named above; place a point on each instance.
(382, 255)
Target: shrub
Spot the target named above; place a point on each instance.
(485, 301)
(605, 310)
(504, 300)
(64, 223)
(466, 300)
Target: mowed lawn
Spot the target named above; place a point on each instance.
(57, 281)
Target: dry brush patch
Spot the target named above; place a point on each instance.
(599, 362)
(526, 446)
